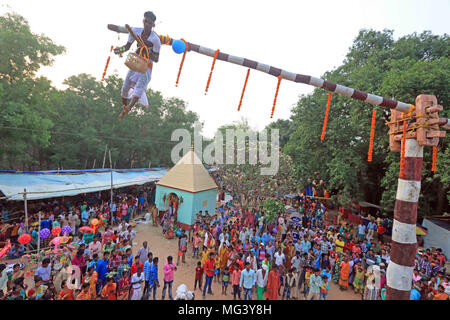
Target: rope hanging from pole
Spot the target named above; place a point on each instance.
(243, 90)
(325, 120)
(276, 95)
(402, 158)
(372, 134)
(182, 61)
(107, 63)
(433, 166)
(212, 68)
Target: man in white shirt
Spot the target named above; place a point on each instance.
(252, 260)
(261, 281)
(279, 258)
(137, 280)
(136, 83)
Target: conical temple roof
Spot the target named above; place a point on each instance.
(188, 174)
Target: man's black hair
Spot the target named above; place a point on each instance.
(150, 15)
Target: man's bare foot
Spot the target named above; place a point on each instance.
(124, 112)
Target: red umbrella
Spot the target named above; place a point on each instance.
(86, 229)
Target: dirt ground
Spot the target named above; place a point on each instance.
(162, 247)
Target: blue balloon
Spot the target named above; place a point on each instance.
(178, 46)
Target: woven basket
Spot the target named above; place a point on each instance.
(136, 63)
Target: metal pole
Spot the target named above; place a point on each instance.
(110, 164)
(26, 208)
(39, 234)
(104, 157)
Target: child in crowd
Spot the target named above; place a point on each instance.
(225, 280)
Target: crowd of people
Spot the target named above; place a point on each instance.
(95, 262)
(243, 252)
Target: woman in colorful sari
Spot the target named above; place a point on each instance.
(358, 281)
(91, 279)
(109, 290)
(337, 268)
(223, 257)
(344, 274)
(123, 288)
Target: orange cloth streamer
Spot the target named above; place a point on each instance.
(243, 90)
(182, 62)
(433, 166)
(402, 158)
(276, 95)
(212, 68)
(372, 134)
(107, 63)
(325, 121)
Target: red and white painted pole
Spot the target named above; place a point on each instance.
(404, 244)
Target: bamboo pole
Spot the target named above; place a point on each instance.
(39, 234)
(104, 157)
(26, 208)
(110, 164)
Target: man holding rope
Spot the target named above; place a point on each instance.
(136, 83)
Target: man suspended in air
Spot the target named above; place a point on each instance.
(135, 84)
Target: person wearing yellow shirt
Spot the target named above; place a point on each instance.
(339, 244)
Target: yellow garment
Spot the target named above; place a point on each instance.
(339, 245)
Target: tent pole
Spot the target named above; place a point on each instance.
(26, 208)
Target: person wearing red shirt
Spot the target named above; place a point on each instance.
(209, 273)
(136, 265)
(198, 276)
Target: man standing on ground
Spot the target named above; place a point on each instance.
(209, 273)
(261, 281)
(143, 252)
(153, 282)
(247, 281)
(169, 268)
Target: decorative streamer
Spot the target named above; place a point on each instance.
(107, 63)
(372, 134)
(243, 90)
(276, 95)
(402, 158)
(325, 120)
(433, 166)
(182, 61)
(212, 68)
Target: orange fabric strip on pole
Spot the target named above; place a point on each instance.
(402, 158)
(212, 68)
(325, 121)
(182, 61)
(372, 134)
(243, 90)
(433, 166)
(107, 63)
(276, 95)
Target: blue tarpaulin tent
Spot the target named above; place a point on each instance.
(48, 184)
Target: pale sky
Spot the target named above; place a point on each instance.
(308, 37)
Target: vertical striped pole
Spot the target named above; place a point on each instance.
(404, 243)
